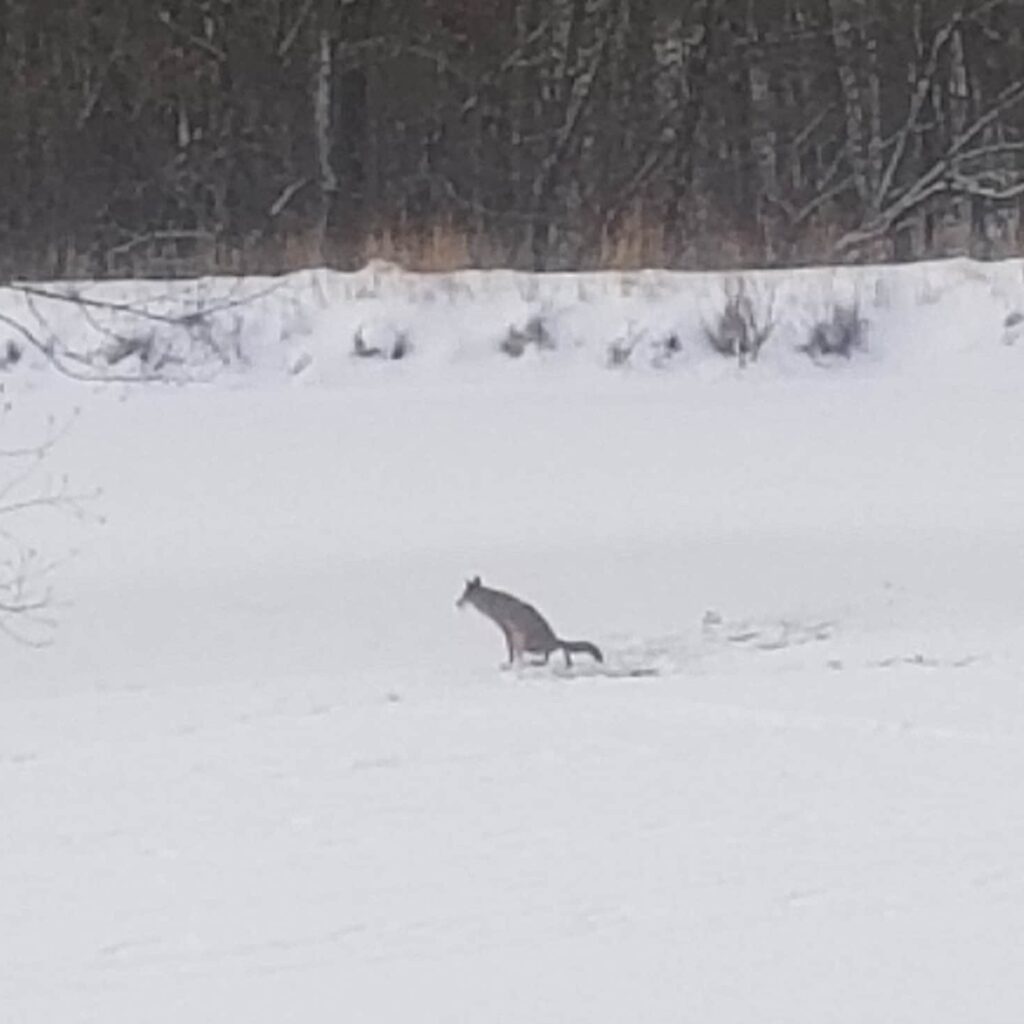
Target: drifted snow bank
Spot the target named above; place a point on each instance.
(325, 327)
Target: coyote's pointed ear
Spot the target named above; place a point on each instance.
(475, 581)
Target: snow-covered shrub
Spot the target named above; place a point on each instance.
(125, 347)
(841, 333)
(196, 341)
(744, 325)
(390, 344)
(620, 351)
(11, 355)
(658, 349)
(535, 333)
(668, 347)
(1013, 328)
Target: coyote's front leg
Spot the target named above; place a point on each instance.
(516, 647)
(506, 665)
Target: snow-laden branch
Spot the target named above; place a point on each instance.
(164, 344)
(945, 175)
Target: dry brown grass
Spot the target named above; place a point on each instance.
(639, 241)
(437, 249)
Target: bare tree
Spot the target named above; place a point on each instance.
(276, 133)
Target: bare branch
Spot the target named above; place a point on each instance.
(26, 599)
(181, 320)
(971, 187)
(58, 362)
(84, 300)
(579, 99)
(54, 434)
(938, 179)
(164, 17)
(293, 33)
(917, 101)
(288, 193)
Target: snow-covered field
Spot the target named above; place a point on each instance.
(268, 773)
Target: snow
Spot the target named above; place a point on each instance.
(269, 773)
(927, 319)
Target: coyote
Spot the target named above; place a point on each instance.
(526, 630)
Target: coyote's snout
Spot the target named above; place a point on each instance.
(526, 630)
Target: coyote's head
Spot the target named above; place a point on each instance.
(467, 595)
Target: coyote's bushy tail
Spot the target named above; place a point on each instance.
(581, 647)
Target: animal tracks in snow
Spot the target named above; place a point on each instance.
(816, 642)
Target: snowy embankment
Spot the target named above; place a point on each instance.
(327, 328)
(268, 773)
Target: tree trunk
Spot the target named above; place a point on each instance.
(323, 97)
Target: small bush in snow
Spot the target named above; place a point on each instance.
(122, 348)
(401, 347)
(395, 346)
(744, 325)
(1013, 328)
(666, 349)
(621, 350)
(535, 333)
(660, 350)
(840, 334)
(10, 356)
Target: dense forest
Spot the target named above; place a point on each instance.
(182, 136)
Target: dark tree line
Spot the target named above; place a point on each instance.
(171, 136)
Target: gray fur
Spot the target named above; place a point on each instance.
(526, 630)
